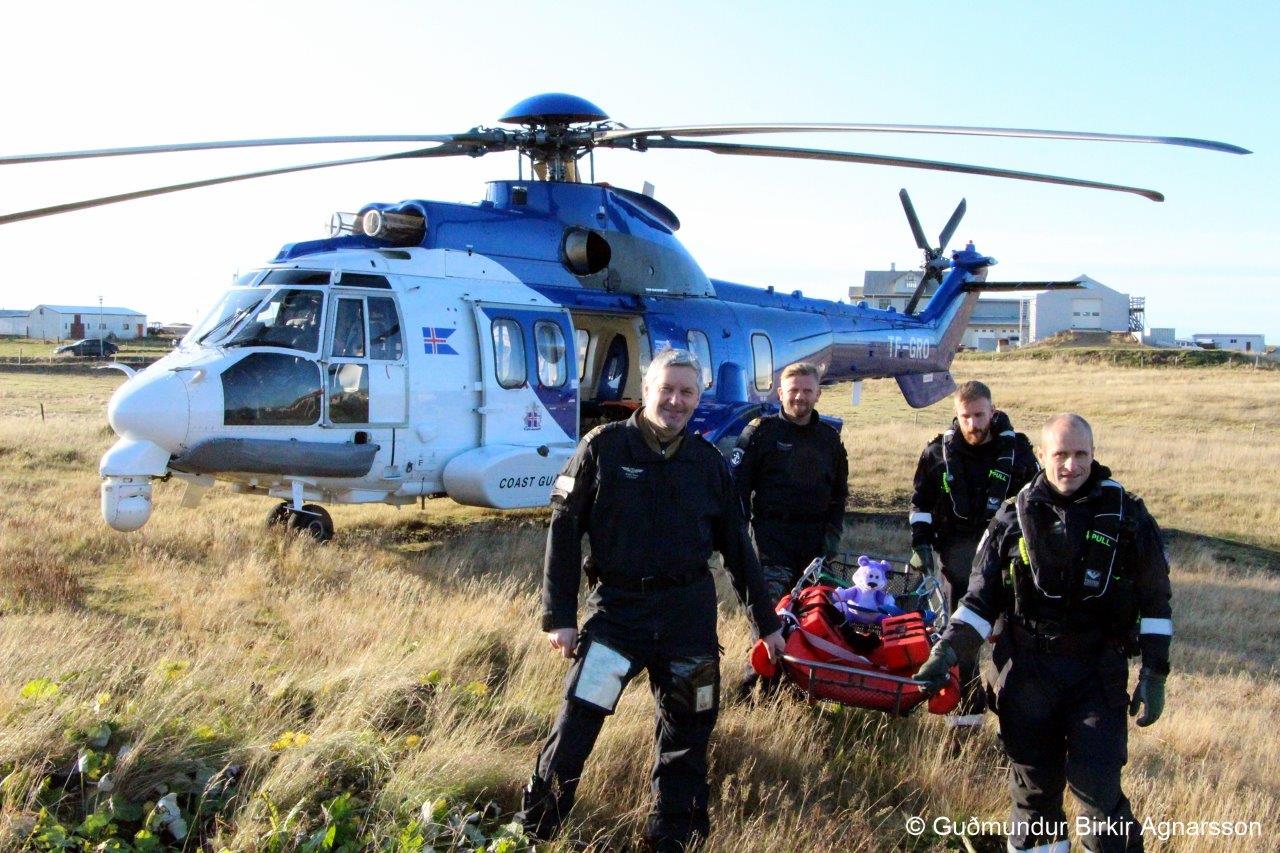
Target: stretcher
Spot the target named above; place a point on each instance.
(862, 663)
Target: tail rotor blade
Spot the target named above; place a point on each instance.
(913, 220)
(954, 222)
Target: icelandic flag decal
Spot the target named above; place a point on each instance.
(434, 341)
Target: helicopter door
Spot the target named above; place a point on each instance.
(528, 390)
(366, 371)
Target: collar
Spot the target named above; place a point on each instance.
(650, 436)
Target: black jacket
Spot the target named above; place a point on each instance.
(648, 517)
(963, 506)
(1070, 586)
(792, 473)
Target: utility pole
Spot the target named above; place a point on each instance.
(100, 335)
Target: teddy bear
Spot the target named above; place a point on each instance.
(866, 601)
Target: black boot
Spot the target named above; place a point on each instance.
(539, 813)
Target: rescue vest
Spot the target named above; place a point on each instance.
(999, 476)
(1091, 593)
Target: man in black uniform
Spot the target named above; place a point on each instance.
(1074, 572)
(962, 478)
(792, 472)
(654, 501)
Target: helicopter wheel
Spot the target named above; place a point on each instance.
(312, 520)
(279, 514)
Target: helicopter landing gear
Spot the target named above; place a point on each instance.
(311, 519)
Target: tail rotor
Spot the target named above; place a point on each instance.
(935, 263)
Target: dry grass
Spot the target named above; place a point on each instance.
(406, 651)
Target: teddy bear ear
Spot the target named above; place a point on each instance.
(864, 560)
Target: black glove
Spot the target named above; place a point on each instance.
(1148, 695)
(936, 671)
(922, 559)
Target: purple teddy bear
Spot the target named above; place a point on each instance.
(866, 601)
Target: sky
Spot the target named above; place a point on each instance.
(84, 75)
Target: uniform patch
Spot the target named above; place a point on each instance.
(631, 473)
(706, 698)
(782, 445)
(1092, 579)
(735, 458)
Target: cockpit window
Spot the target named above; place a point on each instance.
(233, 307)
(289, 319)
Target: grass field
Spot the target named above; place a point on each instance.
(295, 696)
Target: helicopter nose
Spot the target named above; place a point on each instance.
(152, 407)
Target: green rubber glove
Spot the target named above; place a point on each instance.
(1149, 696)
(936, 671)
(922, 559)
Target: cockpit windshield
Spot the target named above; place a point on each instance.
(233, 307)
(290, 318)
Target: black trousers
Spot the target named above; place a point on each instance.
(955, 558)
(686, 693)
(1063, 723)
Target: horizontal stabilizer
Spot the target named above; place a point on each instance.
(925, 389)
(998, 286)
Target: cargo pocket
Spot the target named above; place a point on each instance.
(693, 685)
(598, 676)
(1113, 678)
(996, 676)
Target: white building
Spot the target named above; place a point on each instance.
(70, 322)
(1093, 307)
(1231, 341)
(13, 323)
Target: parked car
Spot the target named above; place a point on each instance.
(90, 347)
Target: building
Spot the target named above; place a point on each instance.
(69, 322)
(13, 323)
(995, 324)
(1015, 321)
(891, 289)
(1093, 307)
(1230, 341)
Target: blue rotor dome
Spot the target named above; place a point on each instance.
(553, 107)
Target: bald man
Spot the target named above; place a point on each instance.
(1073, 572)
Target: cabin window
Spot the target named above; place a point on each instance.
(348, 329)
(384, 330)
(701, 349)
(552, 368)
(583, 338)
(508, 353)
(348, 393)
(762, 355)
(271, 389)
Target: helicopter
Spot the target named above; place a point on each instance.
(427, 349)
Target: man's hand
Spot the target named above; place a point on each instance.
(922, 559)
(936, 671)
(775, 645)
(564, 640)
(1148, 695)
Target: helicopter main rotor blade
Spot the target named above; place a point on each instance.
(953, 223)
(16, 159)
(881, 160)
(607, 136)
(914, 221)
(439, 151)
